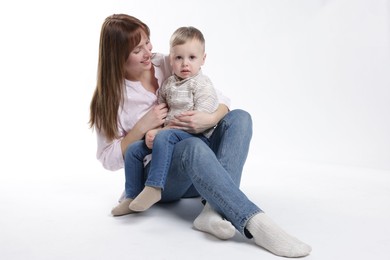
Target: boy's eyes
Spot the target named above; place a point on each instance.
(192, 57)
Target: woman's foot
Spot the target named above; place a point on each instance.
(147, 198)
(122, 208)
(270, 236)
(211, 222)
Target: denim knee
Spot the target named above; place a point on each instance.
(192, 147)
(244, 118)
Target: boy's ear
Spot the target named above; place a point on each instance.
(204, 58)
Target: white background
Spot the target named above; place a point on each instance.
(314, 75)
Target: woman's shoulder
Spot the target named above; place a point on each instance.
(160, 59)
(162, 67)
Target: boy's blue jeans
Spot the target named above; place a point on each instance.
(163, 146)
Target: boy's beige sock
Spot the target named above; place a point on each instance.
(270, 236)
(148, 196)
(122, 208)
(211, 222)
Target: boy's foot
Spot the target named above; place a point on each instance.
(148, 197)
(122, 208)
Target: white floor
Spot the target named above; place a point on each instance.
(342, 212)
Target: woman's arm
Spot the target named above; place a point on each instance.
(154, 118)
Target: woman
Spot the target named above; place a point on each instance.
(123, 109)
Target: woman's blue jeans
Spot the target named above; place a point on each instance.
(215, 173)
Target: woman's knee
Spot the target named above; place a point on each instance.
(239, 121)
(240, 115)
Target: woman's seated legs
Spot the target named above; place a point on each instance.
(216, 186)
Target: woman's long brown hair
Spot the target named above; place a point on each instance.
(120, 34)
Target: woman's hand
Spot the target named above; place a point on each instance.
(193, 121)
(154, 118)
(196, 121)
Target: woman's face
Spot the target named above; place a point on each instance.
(139, 59)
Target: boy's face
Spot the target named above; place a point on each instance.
(187, 59)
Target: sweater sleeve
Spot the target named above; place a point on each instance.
(205, 96)
(222, 99)
(109, 153)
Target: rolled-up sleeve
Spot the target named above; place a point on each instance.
(109, 153)
(222, 99)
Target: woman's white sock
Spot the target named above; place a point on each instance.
(211, 222)
(270, 236)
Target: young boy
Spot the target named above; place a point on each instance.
(187, 89)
